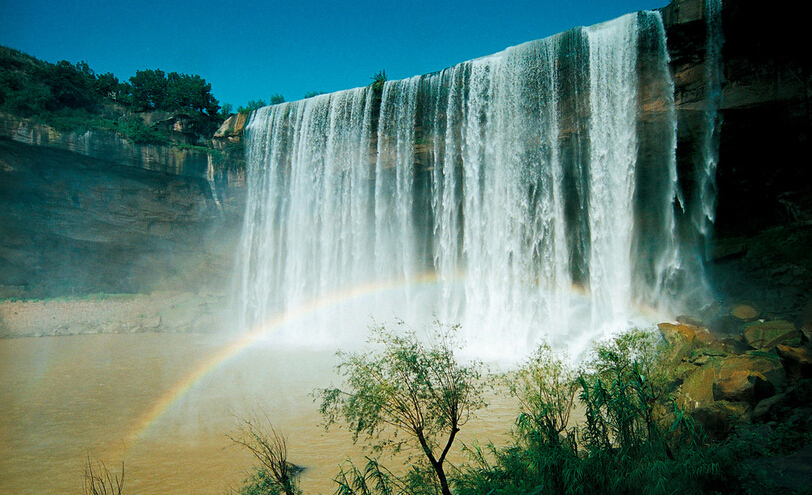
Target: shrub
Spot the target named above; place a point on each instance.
(134, 129)
(408, 387)
(274, 475)
(633, 439)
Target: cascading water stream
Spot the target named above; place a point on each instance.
(526, 195)
(706, 169)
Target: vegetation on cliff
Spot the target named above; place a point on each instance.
(68, 96)
(152, 107)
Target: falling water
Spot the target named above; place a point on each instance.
(526, 195)
(709, 152)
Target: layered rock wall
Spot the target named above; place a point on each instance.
(91, 212)
(763, 218)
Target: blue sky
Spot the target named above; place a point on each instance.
(252, 49)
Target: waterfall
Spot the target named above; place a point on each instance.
(709, 151)
(526, 195)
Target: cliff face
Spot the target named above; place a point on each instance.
(763, 220)
(92, 212)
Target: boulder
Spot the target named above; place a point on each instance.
(696, 390)
(765, 409)
(705, 355)
(689, 320)
(768, 334)
(741, 386)
(726, 325)
(767, 365)
(719, 418)
(676, 333)
(797, 361)
(233, 126)
(804, 323)
(745, 312)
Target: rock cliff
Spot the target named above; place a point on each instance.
(763, 217)
(88, 212)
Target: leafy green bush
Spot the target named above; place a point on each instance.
(134, 129)
(633, 440)
(378, 81)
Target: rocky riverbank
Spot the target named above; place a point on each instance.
(747, 380)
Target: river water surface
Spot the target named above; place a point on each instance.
(165, 404)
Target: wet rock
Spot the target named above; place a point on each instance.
(741, 386)
(704, 356)
(745, 312)
(683, 339)
(797, 361)
(804, 323)
(689, 320)
(768, 334)
(765, 409)
(679, 334)
(726, 325)
(696, 390)
(719, 418)
(767, 365)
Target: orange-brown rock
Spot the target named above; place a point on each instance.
(697, 389)
(797, 361)
(745, 312)
(677, 333)
(741, 386)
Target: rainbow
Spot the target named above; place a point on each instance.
(179, 389)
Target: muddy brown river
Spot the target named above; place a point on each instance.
(164, 405)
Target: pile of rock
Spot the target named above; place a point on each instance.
(744, 371)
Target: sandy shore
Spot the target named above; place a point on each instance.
(119, 313)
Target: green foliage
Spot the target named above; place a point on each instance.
(252, 105)
(623, 393)
(148, 89)
(545, 387)
(633, 438)
(190, 92)
(108, 86)
(134, 129)
(276, 99)
(72, 96)
(311, 94)
(72, 86)
(260, 482)
(378, 80)
(76, 120)
(29, 87)
(375, 479)
(181, 93)
(410, 388)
